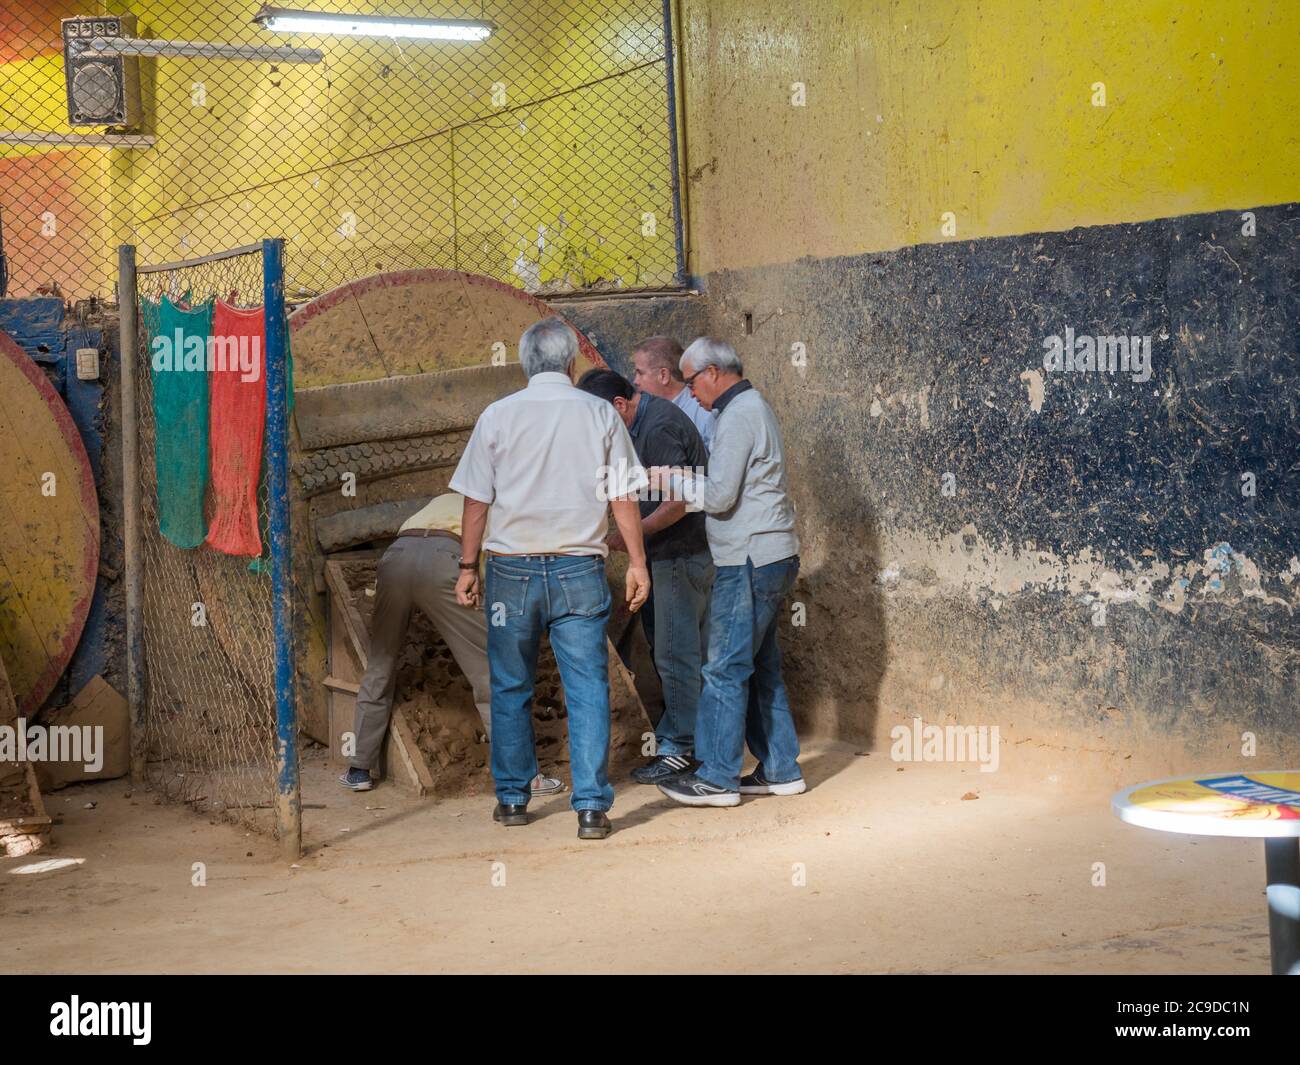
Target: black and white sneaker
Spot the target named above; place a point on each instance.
(757, 784)
(357, 779)
(663, 767)
(690, 790)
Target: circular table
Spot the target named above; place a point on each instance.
(1264, 805)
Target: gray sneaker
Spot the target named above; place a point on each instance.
(546, 785)
(690, 790)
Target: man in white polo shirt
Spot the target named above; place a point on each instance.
(549, 460)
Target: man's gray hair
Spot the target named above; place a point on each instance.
(705, 351)
(549, 346)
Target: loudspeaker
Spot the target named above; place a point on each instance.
(101, 92)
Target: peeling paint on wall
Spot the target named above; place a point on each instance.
(962, 563)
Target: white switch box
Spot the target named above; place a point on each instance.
(88, 364)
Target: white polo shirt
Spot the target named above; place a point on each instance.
(548, 459)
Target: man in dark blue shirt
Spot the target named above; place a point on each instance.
(681, 568)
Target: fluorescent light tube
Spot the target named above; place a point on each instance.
(283, 20)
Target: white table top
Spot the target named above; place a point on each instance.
(1216, 804)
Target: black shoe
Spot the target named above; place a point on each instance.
(757, 784)
(592, 824)
(511, 816)
(663, 767)
(357, 779)
(690, 790)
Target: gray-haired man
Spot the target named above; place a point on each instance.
(750, 527)
(550, 461)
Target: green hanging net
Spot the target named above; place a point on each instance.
(178, 338)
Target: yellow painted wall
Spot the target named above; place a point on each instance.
(553, 194)
(978, 107)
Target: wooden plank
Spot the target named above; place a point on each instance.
(21, 835)
(355, 626)
(342, 717)
(38, 823)
(402, 744)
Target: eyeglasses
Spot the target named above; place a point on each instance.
(690, 381)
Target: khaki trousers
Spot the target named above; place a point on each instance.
(417, 571)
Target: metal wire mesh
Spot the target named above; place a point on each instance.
(541, 157)
(208, 629)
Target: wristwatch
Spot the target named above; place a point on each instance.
(467, 565)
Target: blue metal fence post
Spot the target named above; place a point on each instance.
(288, 799)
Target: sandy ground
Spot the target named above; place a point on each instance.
(873, 870)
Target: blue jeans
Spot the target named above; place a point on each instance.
(676, 624)
(743, 699)
(568, 597)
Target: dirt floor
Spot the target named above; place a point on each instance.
(873, 870)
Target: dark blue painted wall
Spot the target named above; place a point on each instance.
(919, 363)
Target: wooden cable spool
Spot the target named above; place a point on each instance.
(49, 530)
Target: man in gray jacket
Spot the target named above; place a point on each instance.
(750, 527)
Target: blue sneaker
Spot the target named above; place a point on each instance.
(357, 779)
(690, 790)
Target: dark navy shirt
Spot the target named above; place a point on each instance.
(721, 402)
(664, 435)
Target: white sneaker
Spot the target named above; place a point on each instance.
(546, 785)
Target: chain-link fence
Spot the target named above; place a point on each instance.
(543, 156)
(206, 546)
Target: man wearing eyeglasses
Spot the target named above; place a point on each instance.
(750, 526)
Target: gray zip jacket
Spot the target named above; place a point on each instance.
(748, 510)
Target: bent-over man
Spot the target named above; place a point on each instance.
(419, 570)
